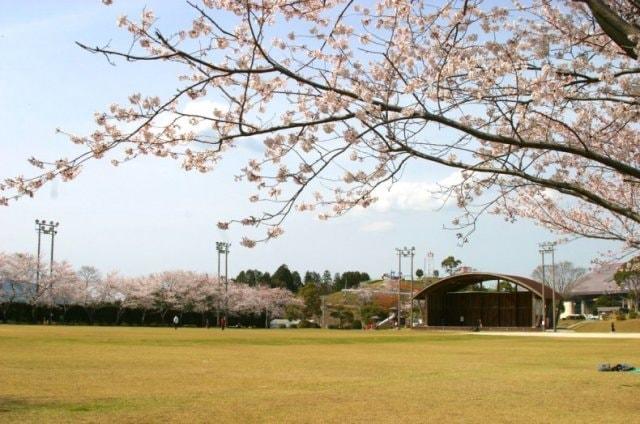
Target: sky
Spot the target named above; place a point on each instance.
(149, 215)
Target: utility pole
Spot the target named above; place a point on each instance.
(47, 228)
(549, 247)
(553, 286)
(39, 229)
(544, 311)
(223, 247)
(399, 252)
(406, 252)
(53, 233)
(412, 252)
(226, 283)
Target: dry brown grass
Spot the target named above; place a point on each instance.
(626, 326)
(114, 375)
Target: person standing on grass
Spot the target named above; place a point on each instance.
(176, 321)
(613, 327)
(223, 322)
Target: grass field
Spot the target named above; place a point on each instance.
(626, 326)
(102, 374)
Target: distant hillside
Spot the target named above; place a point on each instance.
(382, 293)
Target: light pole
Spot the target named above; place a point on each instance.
(39, 229)
(544, 311)
(399, 253)
(223, 247)
(47, 228)
(406, 252)
(549, 247)
(412, 253)
(553, 286)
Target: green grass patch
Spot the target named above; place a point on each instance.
(98, 374)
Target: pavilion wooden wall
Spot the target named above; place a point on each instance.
(494, 309)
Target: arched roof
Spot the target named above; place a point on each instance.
(461, 280)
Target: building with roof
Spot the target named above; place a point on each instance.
(487, 299)
(581, 297)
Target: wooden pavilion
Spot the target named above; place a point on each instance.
(488, 300)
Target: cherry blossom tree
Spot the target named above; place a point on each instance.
(273, 301)
(628, 277)
(535, 103)
(92, 290)
(127, 292)
(177, 290)
(21, 269)
(65, 289)
(208, 296)
(15, 271)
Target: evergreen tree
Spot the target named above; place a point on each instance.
(283, 278)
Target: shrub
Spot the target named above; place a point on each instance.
(357, 325)
(633, 314)
(620, 316)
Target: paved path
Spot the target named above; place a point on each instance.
(566, 334)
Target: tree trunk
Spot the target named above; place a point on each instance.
(5, 311)
(119, 315)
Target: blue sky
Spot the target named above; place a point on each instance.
(148, 215)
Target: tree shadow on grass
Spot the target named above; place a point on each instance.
(10, 405)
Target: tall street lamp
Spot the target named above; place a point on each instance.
(549, 247)
(399, 253)
(544, 311)
(50, 229)
(411, 253)
(404, 252)
(47, 228)
(223, 247)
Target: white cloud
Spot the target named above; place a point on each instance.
(377, 226)
(201, 108)
(413, 195)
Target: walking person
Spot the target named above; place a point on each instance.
(613, 327)
(176, 321)
(223, 322)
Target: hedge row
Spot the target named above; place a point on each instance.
(112, 315)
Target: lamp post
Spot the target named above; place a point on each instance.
(47, 228)
(39, 229)
(549, 247)
(544, 311)
(412, 253)
(223, 247)
(406, 252)
(399, 253)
